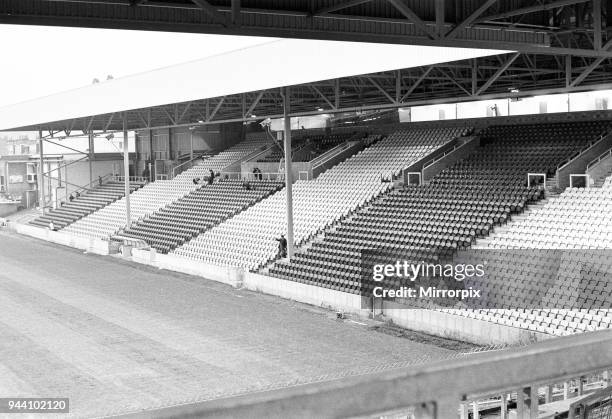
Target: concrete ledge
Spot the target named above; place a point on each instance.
(227, 275)
(459, 327)
(304, 293)
(97, 246)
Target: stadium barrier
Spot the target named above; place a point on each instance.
(90, 245)
(436, 390)
(304, 293)
(454, 326)
(228, 275)
(579, 163)
(433, 322)
(449, 158)
(600, 166)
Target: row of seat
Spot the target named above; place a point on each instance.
(158, 194)
(578, 281)
(198, 211)
(462, 203)
(84, 203)
(307, 147)
(248, 239)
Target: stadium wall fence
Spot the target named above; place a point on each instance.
(90, 245)
(227, 275)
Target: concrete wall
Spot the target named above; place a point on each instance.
(579, 164)
(227, 275)
(418, 165)
(96, 246)
(265, 167)
(7, 209)
(450, 159)
(174, 142)
(78, 173)
(458, 327)
(321, 164)
(601, 169)
(317, 296)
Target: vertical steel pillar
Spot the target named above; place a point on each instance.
(548, 394)
(191, 141)
(126, 172)
(59, 170)
(597, 24)
(534, 402)
(475, 411)
(288, 170)
(91, 155)
(568, 70)
(152, 154)
(504, 407)
(41, 170)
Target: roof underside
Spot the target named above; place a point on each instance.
(562, 46)
(562, 26)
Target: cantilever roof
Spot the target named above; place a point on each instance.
(266, 66)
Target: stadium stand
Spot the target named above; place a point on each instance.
(458, 205)
(247, 239)
(89, 201)
(572, 230)
(156, 195)
(225, 158)
(198, 211)
(306, 148)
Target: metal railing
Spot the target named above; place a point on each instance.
(254, 155)
(119, 178)
(79, 188)
(330, 154)
(188, 163)
(434, 390)
(594, 406)
(585, 149)
(596, 161)
(252, 176)
(447, 152)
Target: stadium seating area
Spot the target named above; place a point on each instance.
(225, 158)
(478, 202)
(83, 205)
(458, 205)
(198, 211)
(156, 195)
(248, 239)
(308, 147)
(570, 232)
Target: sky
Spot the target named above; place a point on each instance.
(40, 60)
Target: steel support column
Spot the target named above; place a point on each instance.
(41, 182)
(191, 143)
(91, 155)
(126, 171)
(152, 169)
(288, 169)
